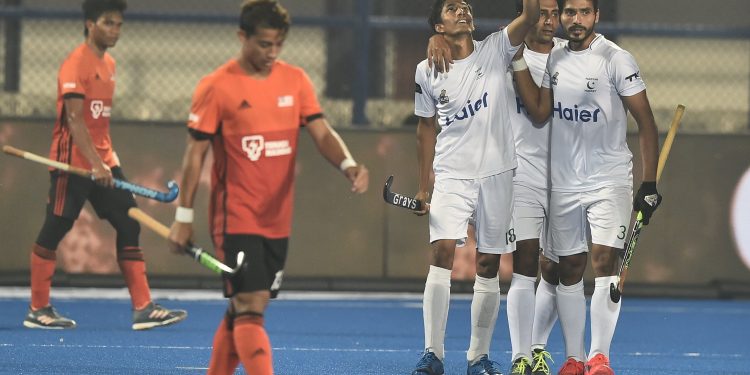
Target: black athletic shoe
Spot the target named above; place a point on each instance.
(47, 318)
(153, 315)
(521, 366)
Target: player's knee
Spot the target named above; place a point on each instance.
(571, 268)
(487, 264)
(250, 302)
(127, 229)
(53, 230)
(526, 258)
(443, 252)
(603, 261)
(549, 270)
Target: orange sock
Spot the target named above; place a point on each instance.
(224, 359)
(133, 269)
(42, 268)
(253, 345)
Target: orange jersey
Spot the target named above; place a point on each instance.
(85, 75)
(255, 125)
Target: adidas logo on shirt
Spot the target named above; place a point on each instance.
(244, 105)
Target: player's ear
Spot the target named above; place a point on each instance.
(439, 28)
(596, 20)
(89, 24)
(241, 35)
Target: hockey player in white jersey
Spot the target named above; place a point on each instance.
(525, 309)
(588, 88)
(473, 158)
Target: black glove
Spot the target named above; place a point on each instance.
(646, 200)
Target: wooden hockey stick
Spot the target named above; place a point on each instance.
(615, 291)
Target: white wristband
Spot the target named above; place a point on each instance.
(519, 65)
(183, 215)
(346, 164)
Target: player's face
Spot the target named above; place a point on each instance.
(457, 18)
(106, 30)
(578, 18)
(549, 21)
(260, 50)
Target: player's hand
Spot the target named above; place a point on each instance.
(439, 54)
(359, 177)
(102, 175)
(647, 200)
(180, 235)
(423, 196)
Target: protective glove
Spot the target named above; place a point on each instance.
(646, 200)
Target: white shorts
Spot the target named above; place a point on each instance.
(530, 215)
(599, 216)
(454, 201)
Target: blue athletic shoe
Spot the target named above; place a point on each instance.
(484, 366)
(429, 364)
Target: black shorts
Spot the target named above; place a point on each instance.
(68, 193)
(264, 263)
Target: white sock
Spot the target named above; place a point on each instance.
(484, 307)
(545, 313)
(604, 315)
(521, 314)
(437, 295)
(571, 308)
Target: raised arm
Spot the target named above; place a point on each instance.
(521, 25)
(537, 100)
(82, 139)
(333, 148)
(426, 139)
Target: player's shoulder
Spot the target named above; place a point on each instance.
(77, 55)
(606, 48)
(287, 69)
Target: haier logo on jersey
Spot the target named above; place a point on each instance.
(254, 145)
(470, 110)
(575, 114)
(98, 109)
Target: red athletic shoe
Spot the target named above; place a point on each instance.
(571, 367)
(599, 365)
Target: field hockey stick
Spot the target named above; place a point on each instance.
(615, 291)
(399, 200)
(143, 191)
(200, 255)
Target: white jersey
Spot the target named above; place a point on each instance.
(589, 121)
(532, 140)
(475, 139)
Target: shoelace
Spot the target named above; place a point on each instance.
(519, 367)
(540, 361)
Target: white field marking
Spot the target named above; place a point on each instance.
(363, 350)
(212, 295)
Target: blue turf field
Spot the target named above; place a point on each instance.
(334, 334)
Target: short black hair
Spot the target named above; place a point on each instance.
(263, 13)
(561, 4)
(93, 9)
(436, 13)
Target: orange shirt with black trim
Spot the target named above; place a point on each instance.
(254, 125)
(83, 74)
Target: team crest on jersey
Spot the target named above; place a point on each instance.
(443, 99)
(591, 84)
